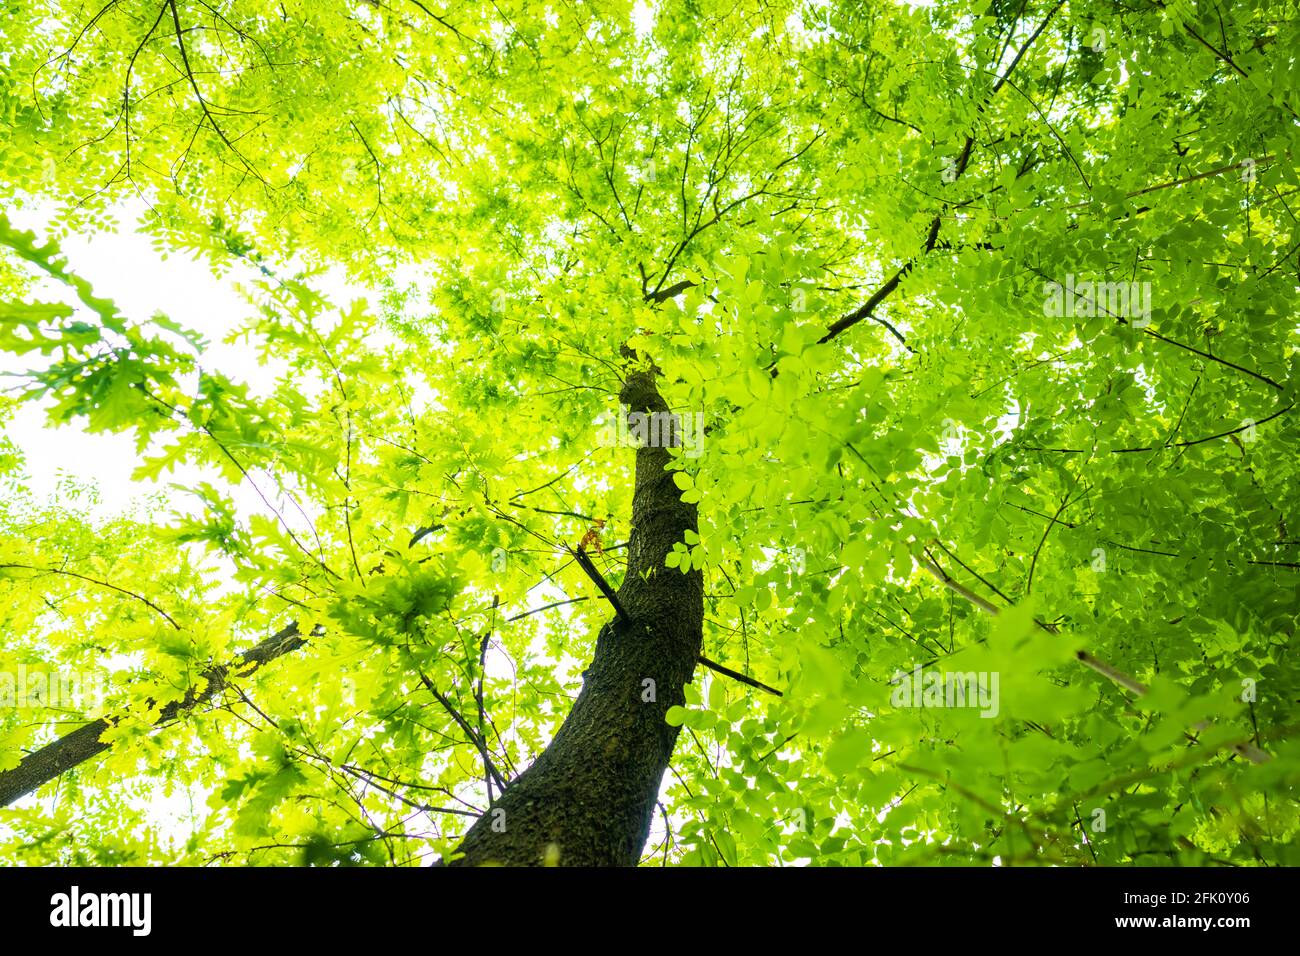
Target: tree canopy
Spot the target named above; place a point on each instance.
(976, 329)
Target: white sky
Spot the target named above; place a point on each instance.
(124, 267)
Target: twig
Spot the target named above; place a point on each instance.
(584, 562)
(736, 675)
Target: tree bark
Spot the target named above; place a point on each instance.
(588, 799)
(41, 766)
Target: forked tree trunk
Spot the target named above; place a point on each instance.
(588, 800)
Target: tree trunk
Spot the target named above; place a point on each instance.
(588, 800)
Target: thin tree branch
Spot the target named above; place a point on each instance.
(736, 675)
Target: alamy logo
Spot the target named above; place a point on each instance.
(1085, 299)
(655, 430)
(37, 688)
(103, 909)
(922, 688)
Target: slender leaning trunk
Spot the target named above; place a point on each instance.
(589, 798)
(59, 756)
